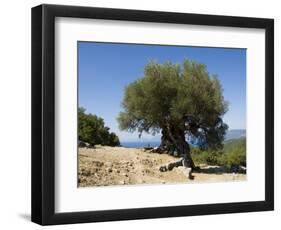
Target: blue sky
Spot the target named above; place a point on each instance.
(106, 68)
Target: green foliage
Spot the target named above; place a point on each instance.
(183, 98)
(208, 157)
(91, 129)
(232, 154)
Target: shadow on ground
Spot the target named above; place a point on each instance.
(221, 170)
(25, 216)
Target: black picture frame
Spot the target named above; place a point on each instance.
(43, 114)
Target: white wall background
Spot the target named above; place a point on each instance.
(15, 118)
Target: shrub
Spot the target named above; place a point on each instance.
(206, 157)
(91, 129)
(232, 155)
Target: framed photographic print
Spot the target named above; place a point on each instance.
(142, 114)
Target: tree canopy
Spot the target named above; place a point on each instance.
(178, 100)
(91, 129)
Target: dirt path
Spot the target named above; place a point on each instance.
(118, 166)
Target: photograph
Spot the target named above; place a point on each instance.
(129, 105)
(160, 114)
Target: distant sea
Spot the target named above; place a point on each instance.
(231, 134)
(140, 144)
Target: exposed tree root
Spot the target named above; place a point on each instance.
(188, 170)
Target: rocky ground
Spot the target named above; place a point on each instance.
(105, 165)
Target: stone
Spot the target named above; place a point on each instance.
(82, 144)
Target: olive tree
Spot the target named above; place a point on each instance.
(180, 101)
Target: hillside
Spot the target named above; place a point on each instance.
(232, 156)
(233, 144)
(235, 152)
(235, 134)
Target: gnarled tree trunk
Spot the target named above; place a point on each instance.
(175, 139)
(167, 144)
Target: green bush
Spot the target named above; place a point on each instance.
(233, 154)
(91, 129)
(206, 157)
(233, 159)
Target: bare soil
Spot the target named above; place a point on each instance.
(104, 166)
